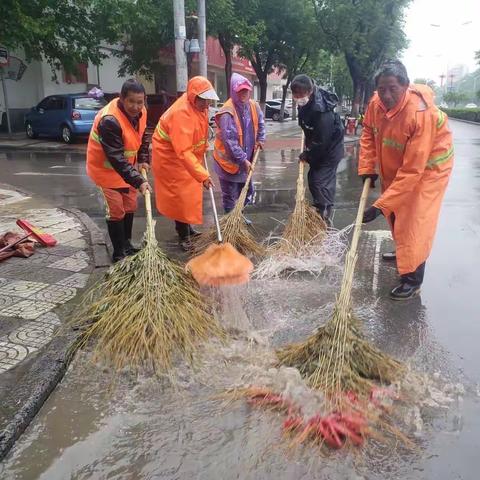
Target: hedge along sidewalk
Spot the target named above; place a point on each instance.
(38, 295)
(471, 115)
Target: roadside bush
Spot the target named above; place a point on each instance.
(472, 114)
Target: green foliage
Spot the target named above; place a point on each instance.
(63, 32)
(454, 97)
(471, 114)
(147, 27)
(366, 32)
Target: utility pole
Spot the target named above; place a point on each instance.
(202, 37)
(180, 37)
(5, 98)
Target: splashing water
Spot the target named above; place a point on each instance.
(229, 307)
(312, 258)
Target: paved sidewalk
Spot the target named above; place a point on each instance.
(37, 295)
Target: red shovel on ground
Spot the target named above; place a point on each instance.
(31, 231)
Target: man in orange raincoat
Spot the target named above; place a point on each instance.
(179, 144)
(406, 140)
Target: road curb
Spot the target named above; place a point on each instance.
(49, 366)
(464, 121)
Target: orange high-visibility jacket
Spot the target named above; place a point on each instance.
(220, 152)
(99, 168)
(179, 144)
(411, 149)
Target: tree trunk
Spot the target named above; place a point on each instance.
(284, 97)
(369, 89)
(262, 80)
(358, 94)
(358, 80)
(228, 70)
(227, 47)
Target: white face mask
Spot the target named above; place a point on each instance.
(301, 102)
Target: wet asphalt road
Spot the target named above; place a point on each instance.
(438, 332)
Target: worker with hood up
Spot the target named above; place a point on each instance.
(240, 128)
(179, 144)
(406, 141)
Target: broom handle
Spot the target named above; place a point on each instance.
(215, 215)
(344, 297)
(214, 206)
(244, 192)
(358, 222)
(148, 205)
(300, 195)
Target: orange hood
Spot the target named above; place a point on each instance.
(196, 86)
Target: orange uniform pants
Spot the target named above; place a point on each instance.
(119, 201)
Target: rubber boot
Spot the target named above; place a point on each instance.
(128, 226)
(183, 230)
(116, 231)
(193, 232)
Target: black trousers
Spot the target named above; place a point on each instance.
(416, 277)
(322, 182)
(183, 229)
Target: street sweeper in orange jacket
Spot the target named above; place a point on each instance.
(179, 144)
(117, 151)
(406, 141)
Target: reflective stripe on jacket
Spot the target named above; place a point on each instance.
(220, 153)
(410, 147)
(99, 168)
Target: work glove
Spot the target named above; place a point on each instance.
(372, 176)
(371, 214)
(303, 157)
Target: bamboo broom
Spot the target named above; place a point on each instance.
(145, 310)
(305, 224)
(233, 227)
(337, 358)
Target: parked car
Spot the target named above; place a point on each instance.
(471, 105)
(272, 110)
(66, 116)
(278, 103)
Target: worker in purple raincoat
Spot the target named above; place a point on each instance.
(240, 128)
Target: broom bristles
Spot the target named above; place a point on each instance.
(145, 311)
(220, 264)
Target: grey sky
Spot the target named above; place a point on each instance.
(434, 49)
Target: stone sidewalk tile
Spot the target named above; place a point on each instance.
(71, 264)
(58, 294)
(77, 280)
(11, 355)
(27, 309)
(22, 288)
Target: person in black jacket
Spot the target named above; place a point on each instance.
(324, 133)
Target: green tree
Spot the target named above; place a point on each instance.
(147, 26)
(454, 97)
(300, 45)
(366, 32)
(63, 32)
(268, 34)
